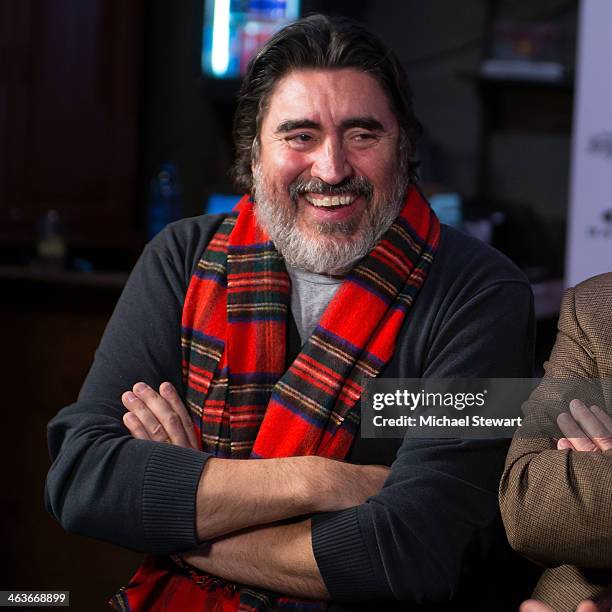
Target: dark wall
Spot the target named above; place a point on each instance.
(50, 332)
(180, 121)
(440, 42)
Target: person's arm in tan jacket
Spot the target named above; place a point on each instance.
(557, 504)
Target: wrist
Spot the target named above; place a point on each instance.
(312, 488)
(323, 483)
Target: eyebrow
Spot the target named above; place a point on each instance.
(365, 123)
(297, 124)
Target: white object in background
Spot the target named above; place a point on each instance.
(589, 244)
(221, 38)
(528, 70)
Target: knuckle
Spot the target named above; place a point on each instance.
(148, 395)
(137, 407)
(158, 431)
(173, 420)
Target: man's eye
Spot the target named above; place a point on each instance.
(300, 138)
(364, 137)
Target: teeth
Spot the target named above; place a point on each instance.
(342, 200)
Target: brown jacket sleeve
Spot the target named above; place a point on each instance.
(557, 504)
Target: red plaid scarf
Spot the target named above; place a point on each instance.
(241, 395)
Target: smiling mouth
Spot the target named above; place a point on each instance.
(337, 201)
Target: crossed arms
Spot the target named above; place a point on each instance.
(543, 474)
(237, 522)
(414, 540)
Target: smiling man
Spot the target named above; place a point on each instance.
(329, 180)
(236, 458)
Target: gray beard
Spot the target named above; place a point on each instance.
(338, 246)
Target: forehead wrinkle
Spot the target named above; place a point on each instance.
(319, 96)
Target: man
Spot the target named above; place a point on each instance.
(266, 324)
(555, 493)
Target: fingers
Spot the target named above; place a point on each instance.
(571, 430)
(605, 443)
(161, 417)
(564, 443)
(137, 429)
(587, 606)
(533, 605)
(167, 424)
(587, 429)
(587, 420)
(146, 418)
(169, 393)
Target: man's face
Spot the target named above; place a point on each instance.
(328, 180)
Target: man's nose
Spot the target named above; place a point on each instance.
(330, 162)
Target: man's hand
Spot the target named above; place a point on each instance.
(585, 429)
(161, 417)
(533, 605)
(237, 494)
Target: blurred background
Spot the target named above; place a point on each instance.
(115, 119)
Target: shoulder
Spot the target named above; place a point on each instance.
(459, 251)
(465, 266)
(473, 315)
(182, 243)
(595, 290)
(589, 303)
(187, 234)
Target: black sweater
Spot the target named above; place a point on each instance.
(422, 539)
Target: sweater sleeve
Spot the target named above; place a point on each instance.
(103, 483)
(538, 477)
(437, 514)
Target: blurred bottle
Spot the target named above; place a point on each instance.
(51, 240)
(165, 199)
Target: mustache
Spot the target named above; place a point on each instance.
(354, 185)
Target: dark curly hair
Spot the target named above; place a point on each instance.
(318, 41)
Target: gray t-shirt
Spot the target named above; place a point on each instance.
(310, 295)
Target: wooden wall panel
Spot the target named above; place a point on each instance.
(50, 333)
(68, 116)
